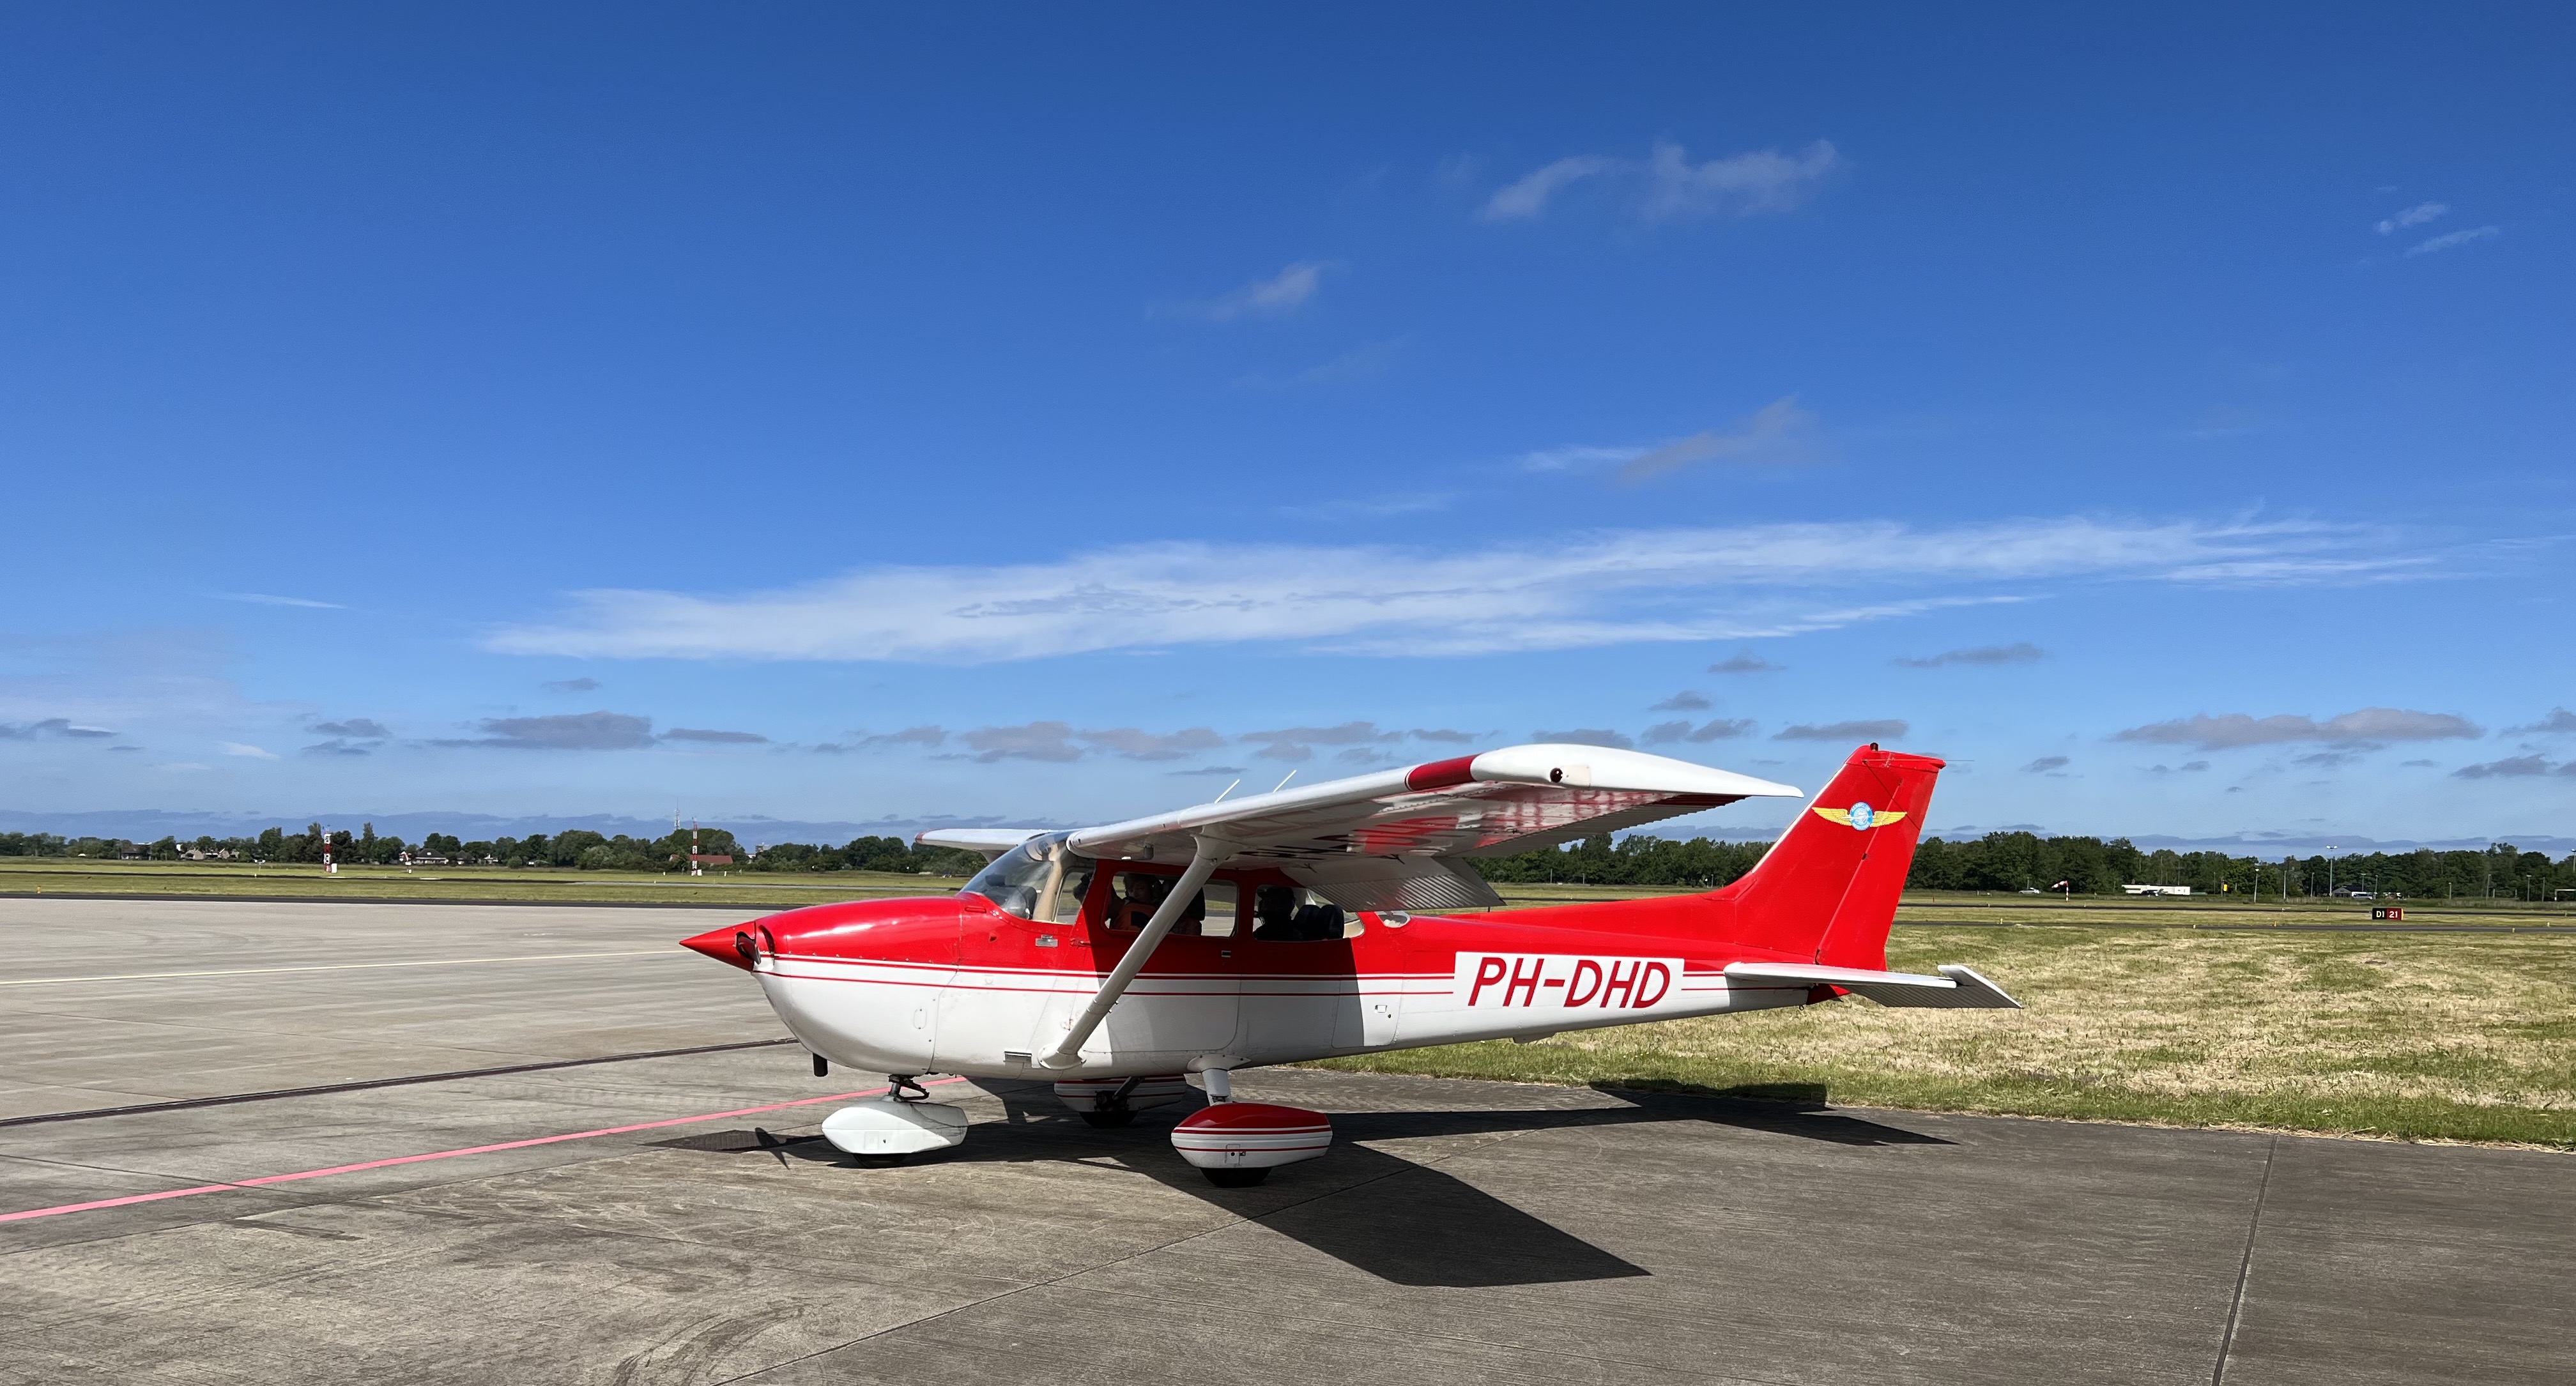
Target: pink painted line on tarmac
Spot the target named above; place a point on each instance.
(266, 1179)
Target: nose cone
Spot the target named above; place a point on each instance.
(731, 945)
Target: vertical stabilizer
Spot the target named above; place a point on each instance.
(1827, 890)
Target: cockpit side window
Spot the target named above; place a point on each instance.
(1286, 914)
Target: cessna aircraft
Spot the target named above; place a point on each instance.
(1126, 959)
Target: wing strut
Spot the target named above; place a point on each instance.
(1211, 853)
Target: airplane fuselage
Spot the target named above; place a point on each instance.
(954, 984)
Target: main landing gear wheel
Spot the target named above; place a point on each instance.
(1237, 1144)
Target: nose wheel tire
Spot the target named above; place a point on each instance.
(1236, 1178)
(1108, 1120)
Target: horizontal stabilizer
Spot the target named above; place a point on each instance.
(1957, 986)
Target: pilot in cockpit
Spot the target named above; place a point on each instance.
(1140, 894)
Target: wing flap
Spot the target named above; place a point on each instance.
(1394, 883)
(1957, 988)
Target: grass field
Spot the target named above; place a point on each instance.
(2199, 1012)
(2417, 1036)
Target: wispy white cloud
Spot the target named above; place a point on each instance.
(1586, 736)
(2228, 730)
(1059, 742)
(1778, 432)
(2416, 215)
(265, 599)
(2456, 238)
(52, 727)
(242, 748)
(1527, 196)
(1373, 507)
(1714, 729)
(2559, 722)
(1277, 296)
(1671, 187)
(1618, 587)
(2020, 652)
(1874, 729)
(1739, 185)
(2512, 767)
(1578, 457)
(571, 731)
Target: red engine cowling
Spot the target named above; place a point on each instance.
(1250, 1139)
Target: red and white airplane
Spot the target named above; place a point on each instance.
(1124, 960)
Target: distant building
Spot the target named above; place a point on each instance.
(2156, 890)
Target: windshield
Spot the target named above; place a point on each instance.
(1018, 879)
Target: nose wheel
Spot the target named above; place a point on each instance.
(884, 1130)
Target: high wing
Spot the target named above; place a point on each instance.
(992, 842)
(1383, 841)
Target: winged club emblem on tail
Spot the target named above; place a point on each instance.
(1860, 815)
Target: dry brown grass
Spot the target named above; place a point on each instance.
(2424, 1036)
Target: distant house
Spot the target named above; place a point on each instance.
(2156, 890)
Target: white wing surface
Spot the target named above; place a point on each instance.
(992, 842)
(1378, 841)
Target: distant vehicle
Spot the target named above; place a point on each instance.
(1327, 920)
(2032, 890)
(2156, 890)
(2363, 895)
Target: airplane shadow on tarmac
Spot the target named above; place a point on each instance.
(1403, 1222)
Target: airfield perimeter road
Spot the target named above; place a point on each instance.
(1466, 1232)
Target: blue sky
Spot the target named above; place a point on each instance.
(1049, 415)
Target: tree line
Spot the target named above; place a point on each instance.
(574, 849)
(1995, 862)
(2088, 866)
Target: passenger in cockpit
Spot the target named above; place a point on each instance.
(1276, 907)
(1283, 920)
